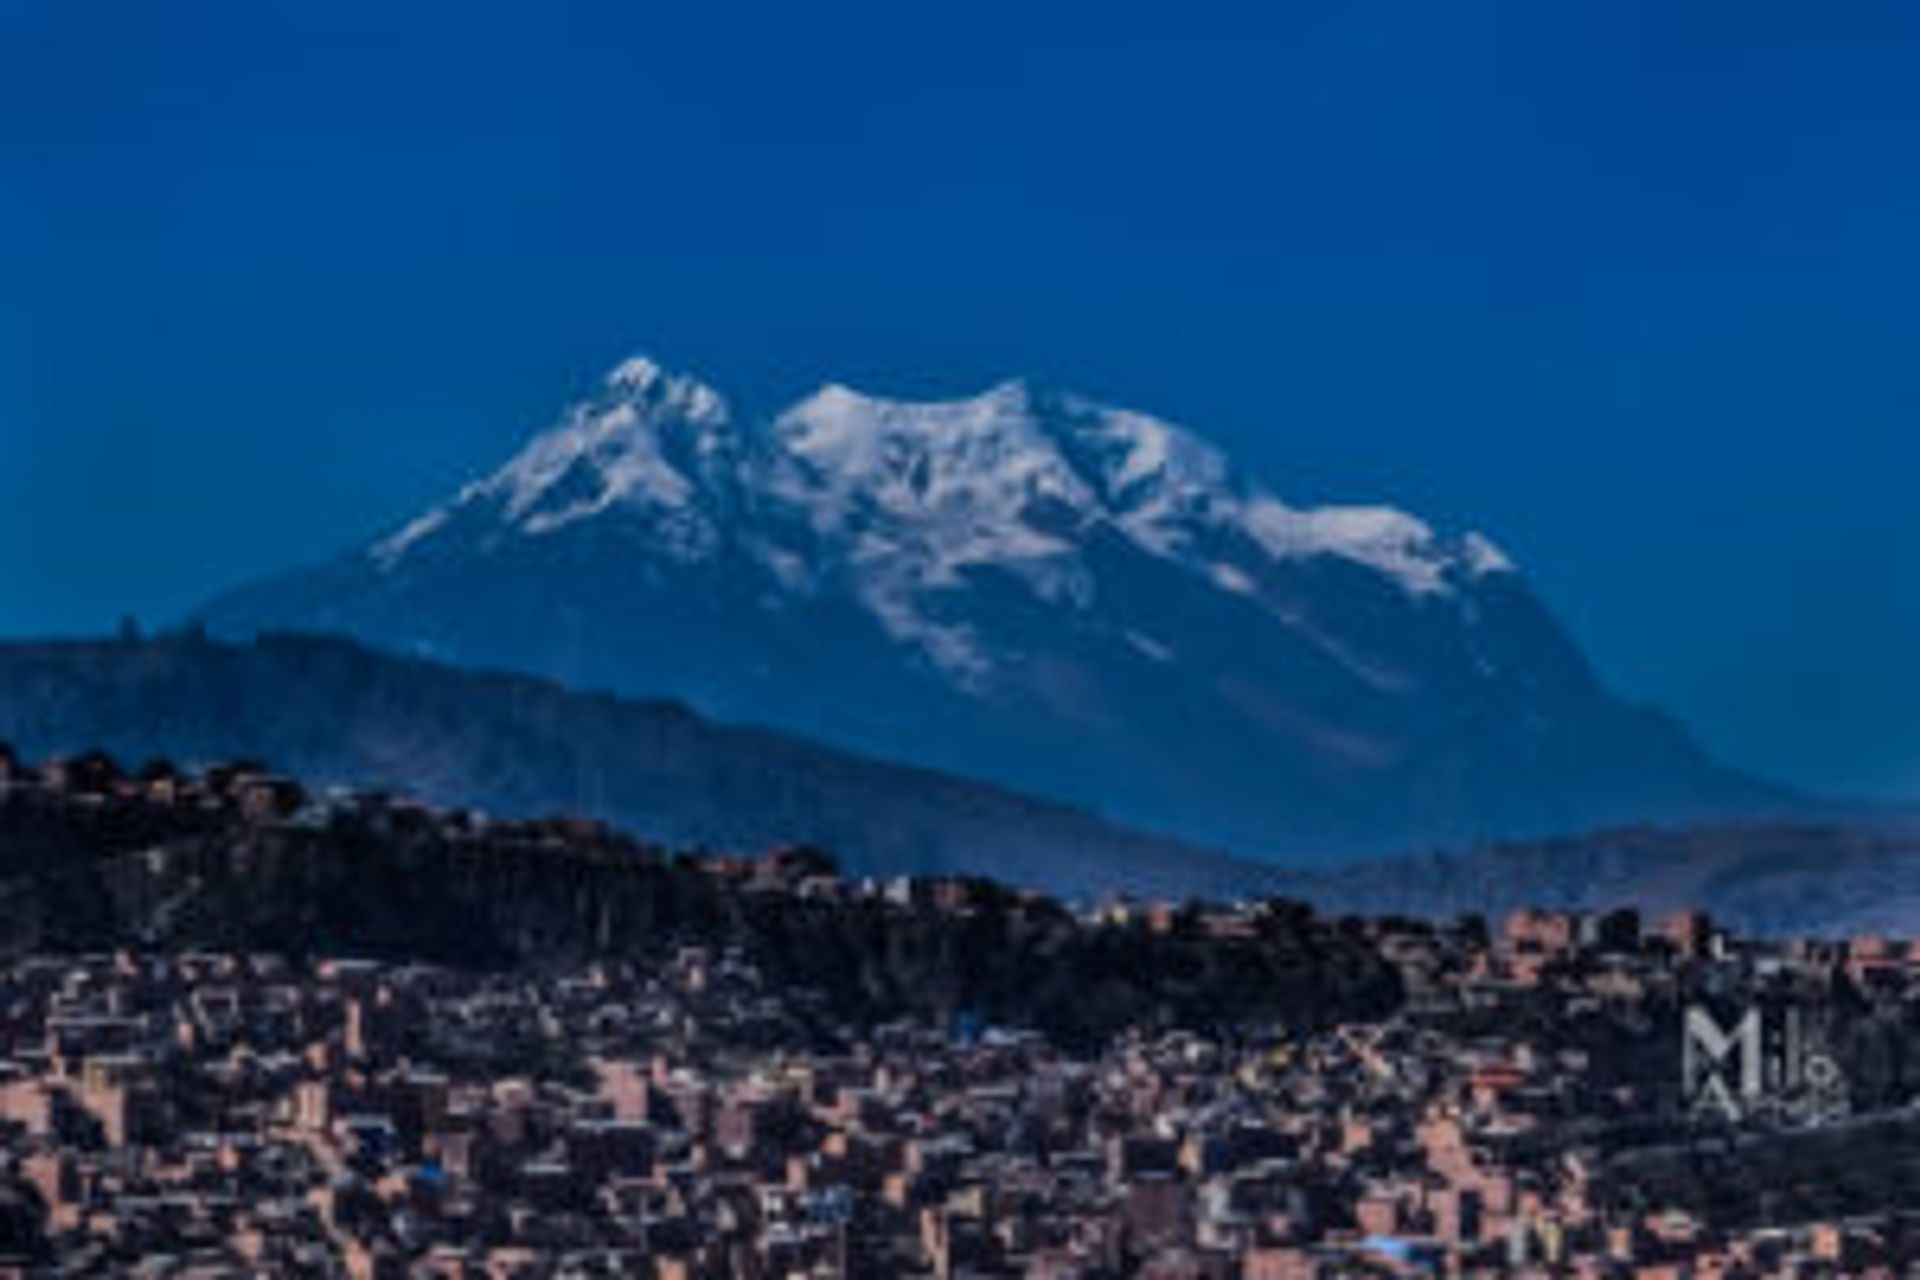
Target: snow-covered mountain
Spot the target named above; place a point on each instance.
(1030, 587)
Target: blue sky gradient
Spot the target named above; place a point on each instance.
(1631, 286)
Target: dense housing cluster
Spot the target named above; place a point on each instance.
(696, 1109)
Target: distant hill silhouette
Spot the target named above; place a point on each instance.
(333, 711)
(1762, 878)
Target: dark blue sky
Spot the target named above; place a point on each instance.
(1632, 286)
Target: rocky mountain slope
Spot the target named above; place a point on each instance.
(1028, 587)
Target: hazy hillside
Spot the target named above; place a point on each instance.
(333, 711)
(1762, 878)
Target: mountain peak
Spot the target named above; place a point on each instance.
(648, 439)
(865, 409)
(919, 456)
(635, 372)
(915, 491)
(643, 381)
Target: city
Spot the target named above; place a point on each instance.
(243, 1112)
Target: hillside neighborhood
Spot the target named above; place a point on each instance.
(1511, 1103)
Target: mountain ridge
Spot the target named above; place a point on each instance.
(337, 712)
(1032, 588)
(513, 746)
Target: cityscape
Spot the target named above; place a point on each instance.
(1003, 641)
(1518, 1103)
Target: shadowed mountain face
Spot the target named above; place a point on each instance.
(336, 713)
(1031, 588)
